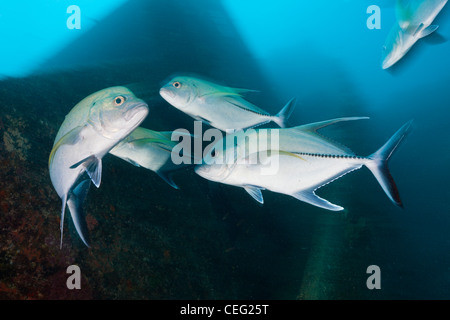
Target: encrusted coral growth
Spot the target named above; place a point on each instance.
(13, 139)
(30, 258)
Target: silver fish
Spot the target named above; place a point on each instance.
(301, 173)
(219, 106)
(151, 150)
(414, 21)
(92, 128)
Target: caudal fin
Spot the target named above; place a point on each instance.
(281, 117)
(379, 164)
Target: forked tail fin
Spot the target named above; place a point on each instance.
(379, 164)
(281, 117)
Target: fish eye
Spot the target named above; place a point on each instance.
(176, 84)
(119, 100)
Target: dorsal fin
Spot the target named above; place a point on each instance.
(247, 106)
(322, 124)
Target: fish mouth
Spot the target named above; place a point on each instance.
(391, 58)
(387, 63)
(139, 111)
(166, 93)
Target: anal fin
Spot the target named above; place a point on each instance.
(167, 178)
(75, 204)
(255, 192)
(428, 30)
(310, 197)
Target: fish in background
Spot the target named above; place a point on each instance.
(151, 150)
(301, 173)
(90, 130)
(219, 106)
(414, 21)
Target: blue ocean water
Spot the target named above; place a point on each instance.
(214, 241)
(323, 53)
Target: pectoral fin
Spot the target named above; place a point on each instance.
(227, 91)
(255, 192)
(241, 90)
(310, 197)
(290, 154)
(93, 168)
(417, 31)
(162, 143)
(420, 31)
(245, 105)
(428, 30)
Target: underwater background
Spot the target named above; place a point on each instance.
(208, 240)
